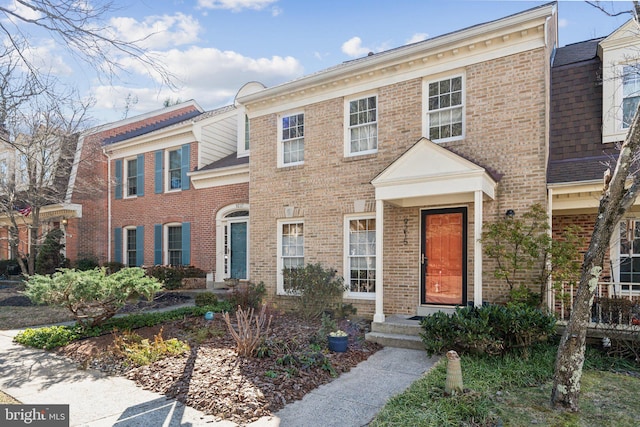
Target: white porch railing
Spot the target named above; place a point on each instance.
(615, 303)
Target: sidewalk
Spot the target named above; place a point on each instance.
(37, 377)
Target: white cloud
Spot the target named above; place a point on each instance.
(417, 37)
(235, 5)
(44, 58)
(276, 11)
(156, 32)
(353, 47)
(210, 76)
(23, 11)
(563, 22)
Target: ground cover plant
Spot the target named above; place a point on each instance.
(512, 390)
(210, 375)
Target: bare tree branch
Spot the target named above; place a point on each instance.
(80, 27)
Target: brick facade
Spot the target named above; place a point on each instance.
(505, 130)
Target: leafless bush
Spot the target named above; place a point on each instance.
(249, 330)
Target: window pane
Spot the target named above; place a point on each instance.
(174, 245)
(361, 255)
(445, 96)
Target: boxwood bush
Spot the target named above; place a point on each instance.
(490, 329)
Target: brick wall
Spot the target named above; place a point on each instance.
(199, 207)
(505, 131)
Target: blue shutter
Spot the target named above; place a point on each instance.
(186, 162)
(118, 189)
(158, 172)
(140, 178)
(139, 245)
(117, 243)
(157, 244)
(186, 243)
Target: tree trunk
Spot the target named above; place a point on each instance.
(617, 196)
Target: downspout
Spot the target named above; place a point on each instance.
(104, 151)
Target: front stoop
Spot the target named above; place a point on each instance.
(397, 331)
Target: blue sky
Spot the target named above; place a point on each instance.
(215, 46)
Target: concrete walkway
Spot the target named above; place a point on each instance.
(38, 377)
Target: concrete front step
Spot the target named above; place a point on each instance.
(395, 340)
(397, 327)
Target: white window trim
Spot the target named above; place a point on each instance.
(619, 132)
(280, 150)
(346, 267)
(125, 179)
(165, 240)
(280, 277)
(167, 177)
(221, 222)
(425, 106)
(242, 150)
(614, 255)
(125, 238)
(347, 127)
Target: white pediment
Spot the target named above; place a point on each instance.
(428, 170)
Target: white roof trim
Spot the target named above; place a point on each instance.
(429, 170)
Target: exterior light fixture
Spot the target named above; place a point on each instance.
(510, 213)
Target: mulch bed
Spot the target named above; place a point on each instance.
(214, 379)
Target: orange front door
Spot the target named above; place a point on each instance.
(444, 256)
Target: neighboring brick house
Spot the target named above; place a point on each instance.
(386, 167)
(179, 193)
(87, 231)
(595, 92)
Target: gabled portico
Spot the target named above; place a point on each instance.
(429, 175)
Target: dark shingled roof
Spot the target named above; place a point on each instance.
(576, 151)
(576, 52)
(152, 127)
(579, 169)
(225, 162)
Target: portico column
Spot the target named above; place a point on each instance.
(477, 249)
(379, 313)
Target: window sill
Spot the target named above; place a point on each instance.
(355, 157)
(361, 296)
(284, 168)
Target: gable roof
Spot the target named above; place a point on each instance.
(422, 171)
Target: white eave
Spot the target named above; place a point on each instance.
(411, 55)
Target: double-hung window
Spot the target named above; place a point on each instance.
(627, 266)
(290, 248)
(291, 139)
(132, 177)
(360, 249)
(362, 131)
(630, 93)
(175, 169)
(129, 176)
(131, 248)
(445, 109)
(174, 245)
